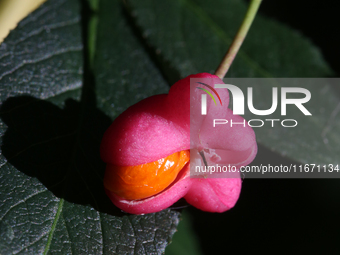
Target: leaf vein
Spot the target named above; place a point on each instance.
(48, 27)
(22, 201)
(29, 245)
(47, 56)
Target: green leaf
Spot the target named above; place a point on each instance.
(53, 117)
(200, 32)
(184, 241)
(124, 72)
(192, 36)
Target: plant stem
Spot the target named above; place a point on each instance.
(239, 38)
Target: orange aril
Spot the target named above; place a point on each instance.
(142, 181)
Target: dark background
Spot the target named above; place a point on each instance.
(283, 216)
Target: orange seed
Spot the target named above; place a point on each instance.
(142, 181)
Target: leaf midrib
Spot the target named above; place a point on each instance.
(50, 236)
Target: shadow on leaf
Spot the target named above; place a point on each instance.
(47, 142)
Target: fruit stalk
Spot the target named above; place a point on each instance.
(239, 38)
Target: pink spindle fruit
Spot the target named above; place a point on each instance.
(147, 151)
